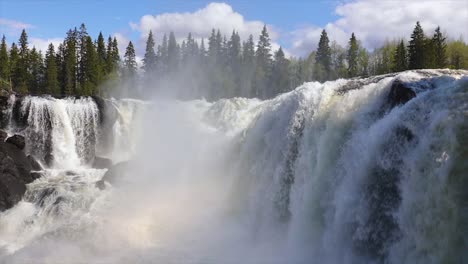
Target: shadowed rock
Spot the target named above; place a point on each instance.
(400, 93)
(15, 173)
(17, 140)
(3, 136)
(113, 175)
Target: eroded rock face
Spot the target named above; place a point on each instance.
(113, 175)
(3, 136)
(400, 93)
(15, 173)
(17, 140)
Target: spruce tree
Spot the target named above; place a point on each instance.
(248, 68)
(51, 85)
(280, 76)
(400, 60)
(70, 65)
(440, 47)
(352, 57)
(416, 48)
(101, 57)
(149, 60)
(60, 62)
(22, 66)
(130, 65)
(36, 69)
(172, 53)
(263, 63)
(90, 68)
(14, 59)
(4, 61)
(323, 58)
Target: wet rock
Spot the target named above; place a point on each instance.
(400, 93)
(113, 175)
(35, 165)
(101, 163)
(3, 135)
(3, 109)
(36, 174)
(17, 140)
(19, 117)
(15, 173)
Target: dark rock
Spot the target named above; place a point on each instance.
(35, 165)
(400, 93)
(15, 171)
(113, 175)
(3, 135)
(4, 105)
(36, 174)
(17, 140)
(101, 163)
(19, 117)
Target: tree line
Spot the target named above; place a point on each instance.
(219, 67)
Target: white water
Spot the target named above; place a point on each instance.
(312, 176)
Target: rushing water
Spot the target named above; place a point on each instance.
(327, 173)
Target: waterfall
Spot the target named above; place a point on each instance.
(339, 172)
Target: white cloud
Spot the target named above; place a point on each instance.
(373, 22)
(43, 44)
(12, 25)
(200, 23)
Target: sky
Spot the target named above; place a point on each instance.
(293, 24)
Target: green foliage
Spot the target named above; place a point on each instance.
(352, 57)
(458, 55)
(4, 61)
(400, 58)
(51, 85)
(416, 48)
(439, 46)
(149, 61)
(226, 67)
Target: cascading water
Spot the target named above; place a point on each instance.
(327, 173)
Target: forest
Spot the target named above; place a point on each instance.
(218, 67)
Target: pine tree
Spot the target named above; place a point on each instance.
(248, 68)
(416, 48)
(280, 74)
(14, 58)
(36, 69)
(70, 65)
(172, 53)
(352, 57)
(101, 57)
(323, 58)
(60, 62)
(149, 61)
(130, 65)
(90, 68)
(4, 61)
(263, 63)
(400, 60)
(22, 66)
(440, 47)
(82, 36)
(51, 85)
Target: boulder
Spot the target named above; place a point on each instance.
(400, 93)
(35, 165)
(101, 163)
(17, 140)
(15, 173)
(114, 174)
(3, 135)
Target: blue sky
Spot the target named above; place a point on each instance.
(294, 24)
